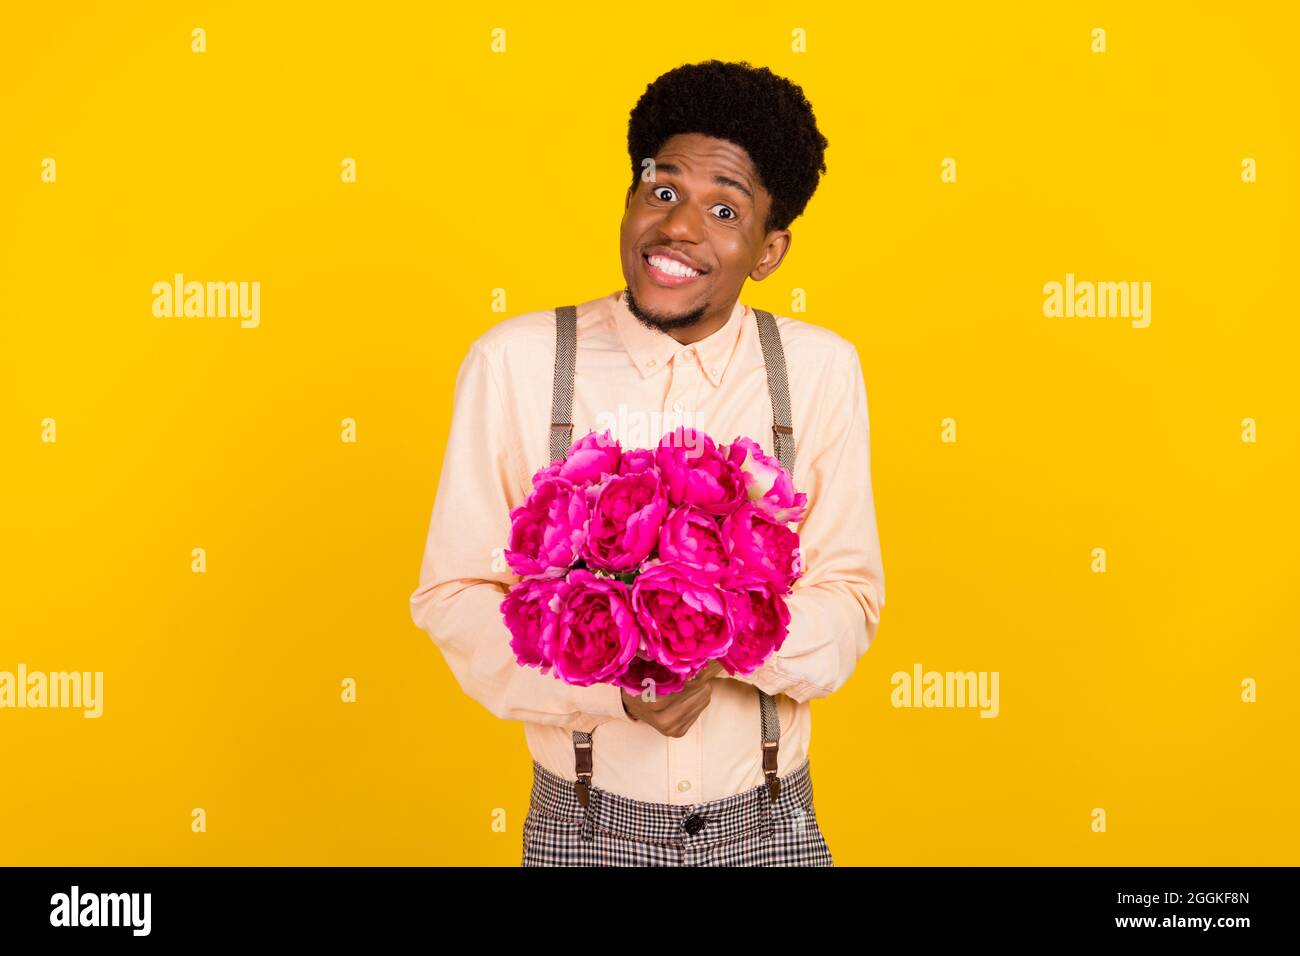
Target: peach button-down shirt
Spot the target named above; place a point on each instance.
(640, 383)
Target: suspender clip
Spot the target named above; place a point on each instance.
(769, 768)
(582, 764)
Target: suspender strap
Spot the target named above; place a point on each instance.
(566, 354)
(771, 740)
(561, 438)
(778, 386)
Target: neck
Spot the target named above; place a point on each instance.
(684, 334)
(703, 328)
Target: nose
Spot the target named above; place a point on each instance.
(682, 222)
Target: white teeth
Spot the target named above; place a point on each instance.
(672, 266)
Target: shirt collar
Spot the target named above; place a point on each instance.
(652, 351)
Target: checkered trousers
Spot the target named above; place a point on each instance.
(746, 829)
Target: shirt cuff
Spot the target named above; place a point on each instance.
(764, 678)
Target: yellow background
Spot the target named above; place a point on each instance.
(479, 171)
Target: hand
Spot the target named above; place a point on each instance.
(673, 714)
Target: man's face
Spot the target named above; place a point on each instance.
(705, 206)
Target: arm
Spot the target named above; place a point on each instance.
(463, 578)
(835, 606)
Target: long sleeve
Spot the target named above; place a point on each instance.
(463, 576)
(835, 605)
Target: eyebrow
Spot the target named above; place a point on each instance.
(672, 169)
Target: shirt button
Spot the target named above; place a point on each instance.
(677, 407)
(650, 364)
(683, 785)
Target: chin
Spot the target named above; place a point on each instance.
(665, 309)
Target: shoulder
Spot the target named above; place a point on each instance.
(522, 334)
(525, 339)
(815, 348)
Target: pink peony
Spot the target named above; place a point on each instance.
(547, 531)
(693, 537)
(768, 485)
(530, 610)
(687, 618)
(766, 623)
(695, 473)
(597, 634)
(646, 564)
(591, 458)
(550, 471)
(627, 512)
(636, 461)
(762, 546)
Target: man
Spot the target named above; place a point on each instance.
(724, 157)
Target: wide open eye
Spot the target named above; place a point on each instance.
(658, 189)
(732, 212)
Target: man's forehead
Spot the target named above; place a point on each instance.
(729, 163)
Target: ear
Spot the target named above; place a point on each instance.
(777, 245)
(627, 200)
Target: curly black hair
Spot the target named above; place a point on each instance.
(765, 114)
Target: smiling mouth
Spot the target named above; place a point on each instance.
(669, 272)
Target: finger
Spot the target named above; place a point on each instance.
(688, 720)
(705, 675)
(682, 708)
(691, 709)
(692, 687)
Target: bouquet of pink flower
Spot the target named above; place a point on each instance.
(643, 565)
